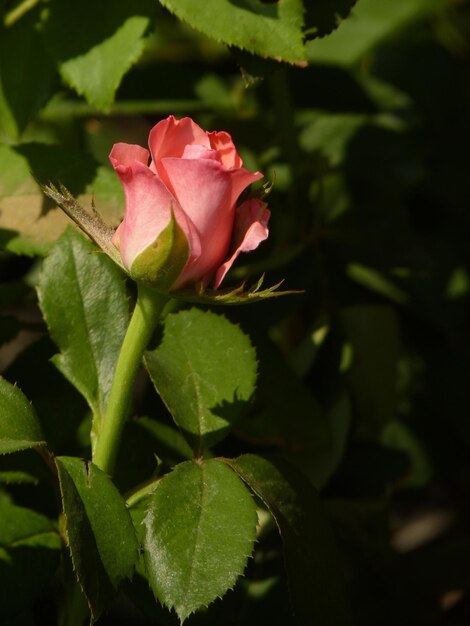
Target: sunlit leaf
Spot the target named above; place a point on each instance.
(199, 532)
(205, 372)
(267, 29)
(82, 296)
(108, 39)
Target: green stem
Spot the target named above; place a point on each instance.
(144, 320)
(17, 13)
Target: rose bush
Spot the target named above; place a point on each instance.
(182, 224)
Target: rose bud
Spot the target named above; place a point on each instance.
(182, 224)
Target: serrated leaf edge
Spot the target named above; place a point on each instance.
(251, 346)
(86, 467)
(65, 534)
(25, 445)
(182, 616)
(298, 63)
(105, 107)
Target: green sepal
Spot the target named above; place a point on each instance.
(233, 295)
(160, 264)
(91, 225)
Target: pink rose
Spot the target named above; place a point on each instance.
(182, 224)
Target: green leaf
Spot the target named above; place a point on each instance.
(205, 372)
(19, 427)
(99, 530)
(369, 25)
(269, 30)
(199, 532)
(29, 556)
(314, 575)
(169, 440)
(84, 302)
(27, 75)
(108, 39)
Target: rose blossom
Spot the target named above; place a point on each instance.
(182, 224)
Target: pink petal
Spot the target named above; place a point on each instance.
(222, 142)
(203, 189)
(169, 138)
(200, 152)
(241, 178)
(148, 212)
(127, 153)
(251, 228)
